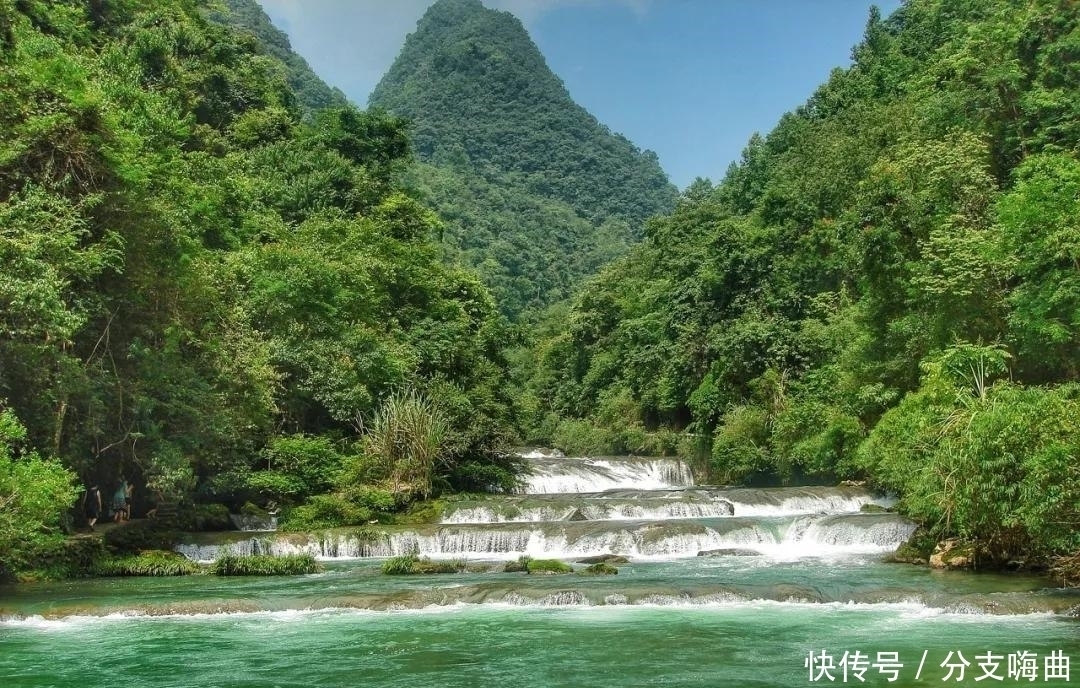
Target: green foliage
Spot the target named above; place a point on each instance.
(297, 466)
(1041, 237)
(34, 493)
(206, 282)
(996, 463)
(265, 565)
(311, 92)
(326, 511)
(135, 536)
(148, 563)
(406, 439)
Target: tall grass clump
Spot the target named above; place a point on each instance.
(149, 563)
(406, 438)
(413, 565)
(265, 565)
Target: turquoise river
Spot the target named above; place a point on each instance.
(724, 587)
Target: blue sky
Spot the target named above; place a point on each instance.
(689, 79)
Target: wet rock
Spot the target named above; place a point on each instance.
(728, 552)
(873, 509)
(953, 554)
(604, 559)
(577, 515)
(852, 483)
(726, 507)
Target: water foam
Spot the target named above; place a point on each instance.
(584, 475)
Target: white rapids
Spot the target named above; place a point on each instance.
(646, 508)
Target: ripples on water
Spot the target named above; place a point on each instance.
(808, 577)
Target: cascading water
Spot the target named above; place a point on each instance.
(646, 508)
(560, 475)
(756, 573)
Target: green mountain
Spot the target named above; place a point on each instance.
(534, 191)
(886, 287)
(247, 16)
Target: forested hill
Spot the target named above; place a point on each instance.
(479, 95)
(313, 93)
(535, 192)
(887, 287)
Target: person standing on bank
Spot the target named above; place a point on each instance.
(92, 505)
(119, 502)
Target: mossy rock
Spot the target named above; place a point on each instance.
(58, 559)
(955, 553)
(412, 565)
(916, 550)
(548, 567)
(729, 552)
(600, 569)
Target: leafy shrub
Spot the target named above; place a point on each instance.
(265, 565)
(34, 492)
(996, 462)
(374, 499)
(276, 485)
(739, 445)
(136, 536)
(581, 437)
(325, 511)
(312, 464)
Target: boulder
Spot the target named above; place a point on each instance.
(604, 559)
(728, 552)
(600, 569)
(953, 554)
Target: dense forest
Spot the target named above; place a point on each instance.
(208, 295)
(885, 287)
(534, 192)
(229, 286)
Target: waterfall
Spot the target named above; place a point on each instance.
(549, 475)
(630, 506)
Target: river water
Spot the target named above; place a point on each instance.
(788, 581)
